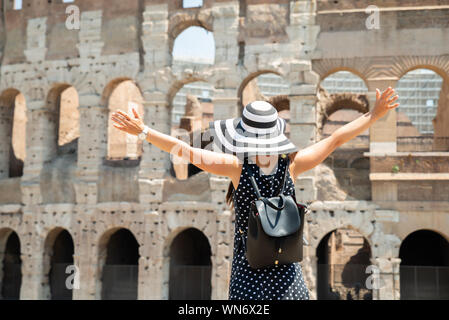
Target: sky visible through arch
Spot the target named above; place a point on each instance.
(195, 44)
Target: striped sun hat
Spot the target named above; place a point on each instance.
(259, 131)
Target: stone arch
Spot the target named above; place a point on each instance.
(332, 102)
(112, 85)
(403, 65)
(335, 109)
(125, 266)
(197, 112)
(10, 264)
(185, 45)
(346, 101)
(183, 20)
(13, 119)
(172, 249)
(408, 128)
(169, 239)
(55, 260)
(326, 72)
(177, 85)
(63, 106)
(441, 233)
(120, 146)
(320, 233)
(247, 80)
(280, 102)
(341, 270)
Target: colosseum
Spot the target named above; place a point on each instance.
(88, 212)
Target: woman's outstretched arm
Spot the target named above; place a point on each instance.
(313, 155)
(213, 162)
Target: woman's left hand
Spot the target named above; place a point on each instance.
(131, 124)
(384, 103)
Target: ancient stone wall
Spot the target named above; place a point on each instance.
(91, 197)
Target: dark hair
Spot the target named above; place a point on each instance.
(229, 194)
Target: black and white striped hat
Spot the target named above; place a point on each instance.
(259, 131)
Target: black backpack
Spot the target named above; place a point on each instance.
(275, 227)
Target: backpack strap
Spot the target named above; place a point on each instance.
(253, 181)
(284, 177)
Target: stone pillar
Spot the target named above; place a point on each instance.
(155, 261)
(309, 271)
(225, 104)
(32, 276)
(218, 188)
(41, 147)
(383, 132)
(221, 266)
(388, 279)
(90, 44)
(85, 260)
(385, 247)
(303, 34)
(303, 126)
(92, 143)
(92, 147)
(41, 126)
(226, 31)
(303, 30)
(382, 135)
(155, 37)
(155, 162)
(36, 39)
(225, 107)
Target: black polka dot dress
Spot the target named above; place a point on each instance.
(277, 282)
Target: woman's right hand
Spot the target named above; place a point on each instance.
(131, 124)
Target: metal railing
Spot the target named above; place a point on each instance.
(58, 278)
(336, 282)
(349, 281)
(424, 282)
(119, 282)
(190, 282)
(11, 282)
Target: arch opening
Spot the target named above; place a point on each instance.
(342, 258)
(11, 267)
(192, 3)
(120, 270)
(62, 120)
(61, 258)
(422, 116)
(12, 126)
(265, 85)
(191, 110)
(194, 46)
(125, 96)
(190, 266)
(342, 100)
(68, 121)
(424, 269)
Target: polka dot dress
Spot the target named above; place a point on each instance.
(277, 282)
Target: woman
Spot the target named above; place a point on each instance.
(258, 139)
